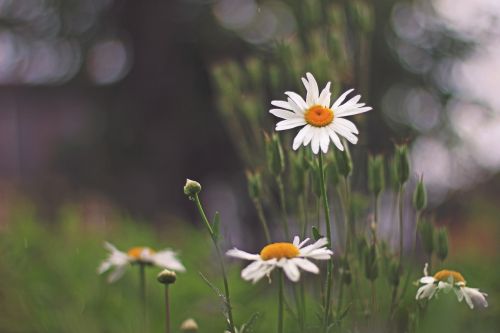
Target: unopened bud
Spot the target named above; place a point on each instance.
(442, 244)
(344, 161)
(191, 188)
(166, 277)
(254, 181)
(189, 326)
(371, 265)
(402, 164)
(274, 153)
(393, 273)
(427, 236)
(420, 196)
(376, 179)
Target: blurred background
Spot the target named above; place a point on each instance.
(107, 106)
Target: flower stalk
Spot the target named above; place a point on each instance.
(328, 293)
(213, 236)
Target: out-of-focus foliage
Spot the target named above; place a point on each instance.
(49, 282)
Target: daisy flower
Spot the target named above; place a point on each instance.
(447, 280)
(137, 255)
(287, 256)
(321, 121)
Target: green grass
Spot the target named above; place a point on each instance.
(49, 282)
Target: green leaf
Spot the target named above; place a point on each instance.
(249, 325)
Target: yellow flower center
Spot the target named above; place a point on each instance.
(445, 275)
(136, 252)
(278, 251)
(319, 116)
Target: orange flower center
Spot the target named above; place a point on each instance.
(278, 251)
(319, 116)
(445, 275)
(137, 251)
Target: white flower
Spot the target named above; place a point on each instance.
(287, 256)
(143, 255)
(321, 121)
(447, 280)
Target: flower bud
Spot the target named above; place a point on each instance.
(254, 181)
(166, 277)
(189, 326)
(274, 153)
(371, 265)
(442, 244)
(344, 161)
(427, 236)
(376, 179)
(420, 196)
(191, 188)
(361, 14)
(393, 273)
(402, 164)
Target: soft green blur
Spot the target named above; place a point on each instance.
(49, 282)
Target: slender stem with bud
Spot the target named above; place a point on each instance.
(328, 293)
(221, 262)
(262, 219)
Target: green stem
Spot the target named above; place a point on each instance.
(221, 263)
(167, 310)
(281, 188)
(414, 255)
(280, 302)
(262, 219)
(328, 294)
(142, 287)
(401, 230)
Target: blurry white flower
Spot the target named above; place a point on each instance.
(137, 255)
(321, 121)
(447, 280)
(287, 256)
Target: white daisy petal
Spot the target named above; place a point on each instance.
(290, 123)
(347, 124)
(306, 265)
(426, 291)
(335, 138)
(459, 293)
(249, 272)
(282, 105)
(324, 140)
(315, 141)
(299, 138)
(339, 100)
(427, 280)
(313, 91)
(297, 99)
(284, 114)
(235, 253)
(309, 135)
(291, 270)
(168, 259)
(345, 133)
(474, 297)
(296, 241)
(117, 273)
(353, 111)
(303, 243)
(324, 97)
